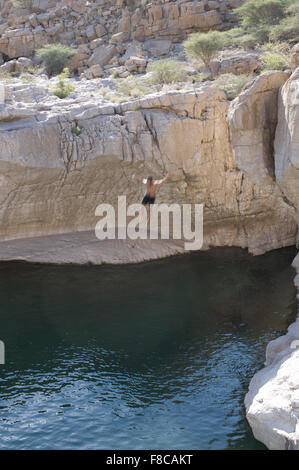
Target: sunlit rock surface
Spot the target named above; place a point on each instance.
(52, 179)
(272, 402)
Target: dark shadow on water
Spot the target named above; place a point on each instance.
(150, 356)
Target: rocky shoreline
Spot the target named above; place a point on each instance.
(272, 402)
(85, 248)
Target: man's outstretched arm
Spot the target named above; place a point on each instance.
(163, 180)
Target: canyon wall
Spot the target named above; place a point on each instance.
(272, 403)
(102, 29)
(59, 159)
(219, 153)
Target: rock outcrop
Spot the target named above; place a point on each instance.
(238, 63)
(115, 23)
(85, 248)
(294, 62)
(272, 403)
(253, 120)
(52, 179)
(287, 141)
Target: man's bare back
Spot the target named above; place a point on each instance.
(151, 187)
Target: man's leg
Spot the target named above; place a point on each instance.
(147, 207)
(151, 203)
(148, 210)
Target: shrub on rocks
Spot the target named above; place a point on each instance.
(167, 71)
(109, 95)
(201, 77)
(262, 12)
(204, 46)
(288, 28)
(63, 89)
(274, 61)
(131, 4)
(132, 87)
(77, 130)
(236, 37)
(55, 57)
(27, 78)
(277, 56)
(232, 84)
(269, 19)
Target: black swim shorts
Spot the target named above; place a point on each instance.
(148, 200)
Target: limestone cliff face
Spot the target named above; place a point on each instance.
(52, 180)
(272, 403)
(90, 25)
(287, 141)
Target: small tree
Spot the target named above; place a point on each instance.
(204, 46)
(131, 4)
(288, 28)
(260, 17)
(55, 57)
(262, 12)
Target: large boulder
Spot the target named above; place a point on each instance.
(8, 67)
(287, 141)
(80, 58)
(253, 118)
(158, 47)
(102, 55)
(16, 66)
(22, 65)
(22, 42)
(238, 64)
(295, 57)
(272, 402)
(136, 64)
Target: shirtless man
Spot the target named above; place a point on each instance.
(151, 186)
